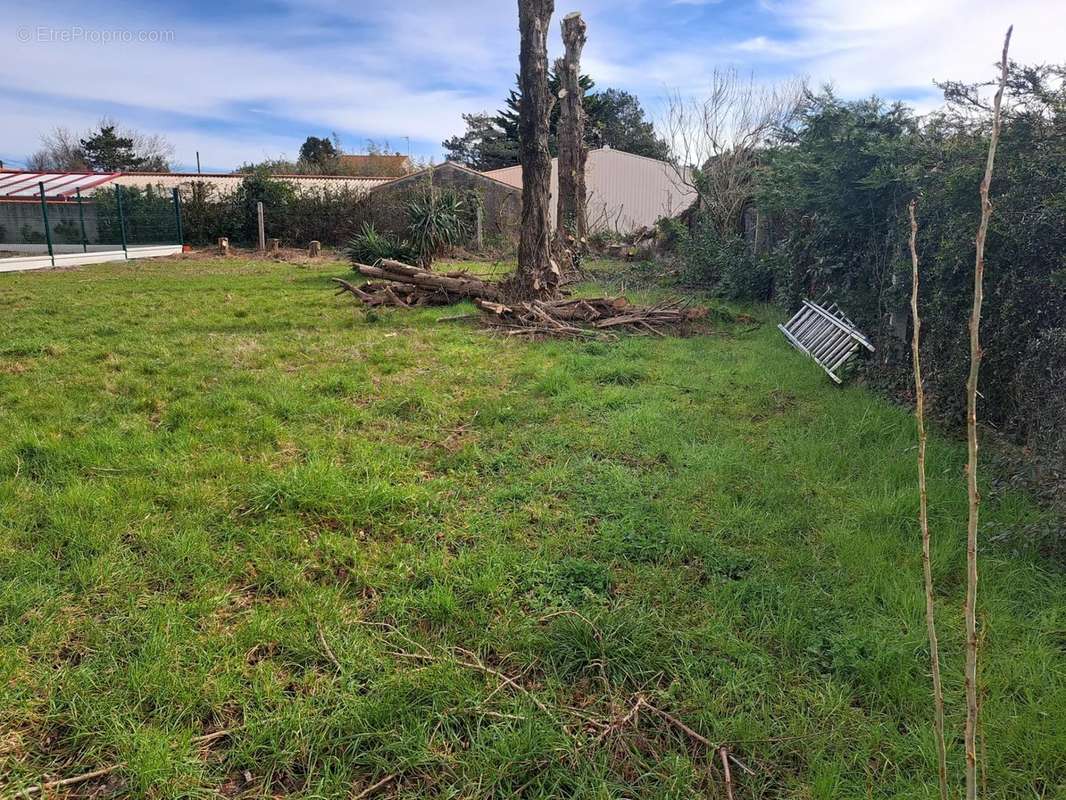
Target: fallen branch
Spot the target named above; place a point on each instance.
(402, 285)
(723, 754)
(326, 648)
(479, 665)
(583, 317)
(48, 786)
(375, 787)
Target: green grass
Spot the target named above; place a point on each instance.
(216, 478)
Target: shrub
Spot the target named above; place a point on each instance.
(1039, 397)
(331, 216)
(435, 219)
(724, 264)
(837, 195)
(369, 246)
(670, 232)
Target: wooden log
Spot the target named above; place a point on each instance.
(405, 273)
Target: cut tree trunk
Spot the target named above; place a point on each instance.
(572, 226)
(537, 274)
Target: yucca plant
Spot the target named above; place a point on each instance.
(436, 223)
(370, 246)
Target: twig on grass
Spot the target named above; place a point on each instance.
(723, 754)
(29, 791)
(479, 665)
(373, 788)
(326, 648)
(48, 786)
(632, 716)
(207, 738)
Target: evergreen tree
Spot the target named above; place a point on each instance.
(615, 119)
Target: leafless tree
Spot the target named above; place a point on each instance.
(59, 151)
(716, 138)
(972, 709)
(923, 517)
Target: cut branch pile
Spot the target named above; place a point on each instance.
(588, 317)
(402, 285)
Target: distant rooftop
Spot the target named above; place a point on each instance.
(25, 185)
(20, 184)
(377, 166)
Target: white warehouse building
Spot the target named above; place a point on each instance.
(625, 191)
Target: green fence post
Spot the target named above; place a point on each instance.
(177, 216)
(121, 219)
(81, 218)
(47, 229)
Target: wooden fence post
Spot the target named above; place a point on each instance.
(262, 226)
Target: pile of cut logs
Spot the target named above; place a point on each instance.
(397, 284)
(587, 317)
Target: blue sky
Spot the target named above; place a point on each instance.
(241, 81)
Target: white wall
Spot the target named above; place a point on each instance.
(227, 184)
(625, 191)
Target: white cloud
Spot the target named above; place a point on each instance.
(411, 69)
(906, 44)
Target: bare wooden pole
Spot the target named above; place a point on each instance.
(972, 709)
(923, 518)
(537, 275)
(572, 223)
(260, 226)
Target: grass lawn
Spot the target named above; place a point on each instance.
(227, 502)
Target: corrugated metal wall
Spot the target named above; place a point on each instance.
(625, 191)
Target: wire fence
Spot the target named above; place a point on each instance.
(111, 220)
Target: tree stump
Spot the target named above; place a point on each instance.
(314, 248)
(273, 246)
(223, 246)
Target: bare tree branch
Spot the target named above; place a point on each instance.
(715, 140)
(923, 517)
(971, 436)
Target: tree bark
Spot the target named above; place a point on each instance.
(572, 225)
(537, 275)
